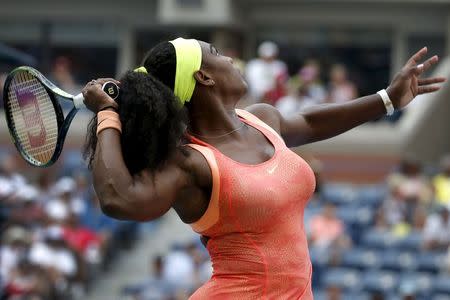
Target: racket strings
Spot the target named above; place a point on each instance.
(33, 117)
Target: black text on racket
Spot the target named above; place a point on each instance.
(34, 115)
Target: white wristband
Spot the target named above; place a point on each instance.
(387, 102)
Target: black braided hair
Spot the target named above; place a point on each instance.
(152, 121)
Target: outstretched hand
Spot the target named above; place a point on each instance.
(406, 84)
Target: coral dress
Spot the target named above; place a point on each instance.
(257, 242)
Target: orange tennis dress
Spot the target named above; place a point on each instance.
(257, 242)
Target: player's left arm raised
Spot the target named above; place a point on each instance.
(328, 120)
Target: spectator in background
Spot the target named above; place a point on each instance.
(8, 172)
(436, 234)
(51, 253)
(27, 208)
(64, 202)
(305, 90)
(83, 240)
(441, 183)
(412, 187)
(381, 224)
(297, 100)
(62, 75)
(334, 293)
(155, 287)
(309, 75)
(394, 207)
(16, 241)
(266, 75)
(179, 269)
(327, 230)
(28, 281)
(341, 89)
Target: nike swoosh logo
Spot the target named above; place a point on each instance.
(271, 170)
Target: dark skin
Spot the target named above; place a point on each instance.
(185, 181)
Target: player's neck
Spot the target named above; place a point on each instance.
(213, 120)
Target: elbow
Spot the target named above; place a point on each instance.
(110, 204)
(111, 209)
(121, 209)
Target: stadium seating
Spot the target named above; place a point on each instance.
(380, 262)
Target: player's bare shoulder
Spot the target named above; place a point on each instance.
(266, 113)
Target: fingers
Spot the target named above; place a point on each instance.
(428, 63)
(419, 69)
(102, 81)
(417, 57)
(428, 89)
(427, 81)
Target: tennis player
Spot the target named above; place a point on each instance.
(175, 139)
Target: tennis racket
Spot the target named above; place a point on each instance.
(34, 115)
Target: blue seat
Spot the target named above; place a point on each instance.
(339, 194)
(346, 279)
(441, 284)
(422, 283)
(361, 216)
(319, 256)
(430, 261)
(361, 259)
(322, 295)
(372, 195)
(378, 240)
(398, 260)
(320, 259)
(441, 297)
(380, 281)
(412, 241)
(357, 295)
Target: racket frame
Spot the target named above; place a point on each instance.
(56, 95)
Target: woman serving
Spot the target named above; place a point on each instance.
(175, 139)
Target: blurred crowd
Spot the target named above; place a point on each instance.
(173, 276)
(54, 238)
(267, 76)
(269, 82)
(390, 241)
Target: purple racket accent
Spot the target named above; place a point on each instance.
(29, 107)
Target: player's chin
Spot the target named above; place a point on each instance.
(243, 87)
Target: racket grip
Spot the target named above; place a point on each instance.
(108, 87)
(78, 101)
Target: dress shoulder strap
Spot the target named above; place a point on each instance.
(255, 120)
(211, 215)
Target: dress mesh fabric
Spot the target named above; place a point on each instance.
(258, 245)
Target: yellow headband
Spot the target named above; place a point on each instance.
(189, 60)
(141, 70)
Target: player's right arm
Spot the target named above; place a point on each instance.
(142, 197)
(146, 195)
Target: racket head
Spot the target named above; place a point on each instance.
(34, 115)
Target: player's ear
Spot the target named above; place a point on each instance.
(204, 78)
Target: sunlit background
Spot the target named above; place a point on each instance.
(378, 224)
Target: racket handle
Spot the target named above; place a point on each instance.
(108, 87)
